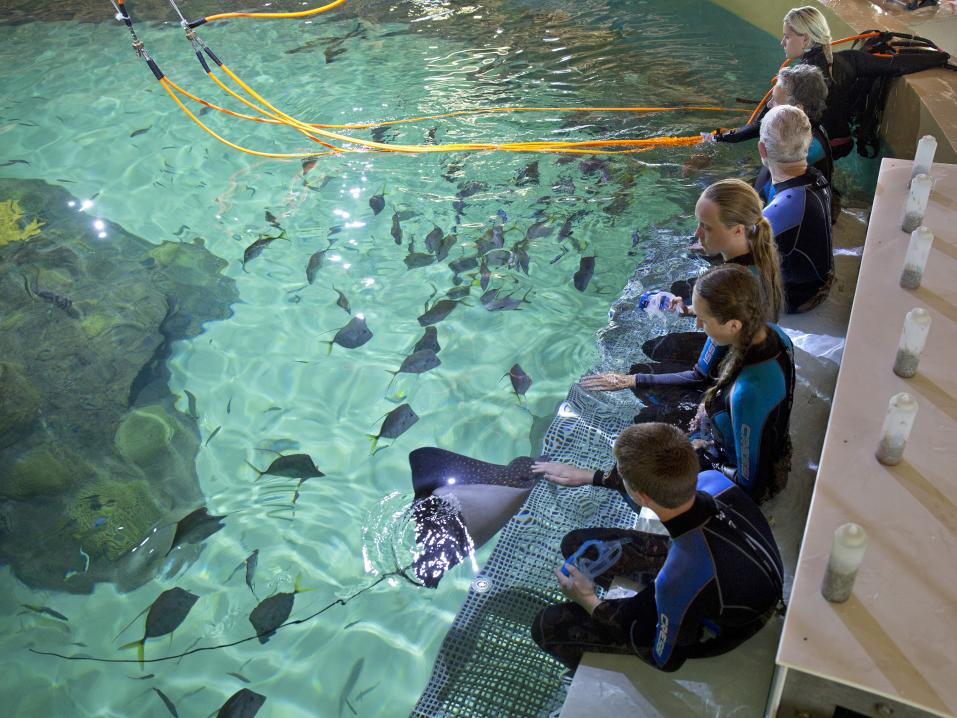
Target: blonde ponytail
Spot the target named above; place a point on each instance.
(768, 261)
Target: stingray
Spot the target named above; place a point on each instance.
(460, 503)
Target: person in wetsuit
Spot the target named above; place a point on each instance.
(718, 573)
(802, 86)
(849, 73)
(742, 423)
(731, 225)
(800, 213)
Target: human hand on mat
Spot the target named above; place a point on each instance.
(608, 381)
(563, 474)
(577, 587)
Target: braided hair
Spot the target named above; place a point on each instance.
(732, 292)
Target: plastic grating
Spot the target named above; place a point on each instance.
(488, 664)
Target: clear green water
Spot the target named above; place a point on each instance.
(72, 97)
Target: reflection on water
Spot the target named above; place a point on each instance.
(333, 273)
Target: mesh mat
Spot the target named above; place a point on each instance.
(488, 664)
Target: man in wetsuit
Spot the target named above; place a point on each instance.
(800, 213)
(719, 576)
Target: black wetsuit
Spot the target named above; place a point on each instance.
(748, 420)
(800, 215)
(849, 79)
(717, 585)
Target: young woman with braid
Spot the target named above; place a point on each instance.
(742, 423)
(730, 223)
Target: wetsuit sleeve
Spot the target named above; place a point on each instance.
(868, 65)
(741, 134)
(700, 375)
(609, 479)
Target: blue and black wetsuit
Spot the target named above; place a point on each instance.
(720, 579)
(800, 216)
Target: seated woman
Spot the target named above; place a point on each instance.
(743, 421)
(849, 73)
(730, 224)
(802, 86)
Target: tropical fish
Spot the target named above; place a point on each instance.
(444, 246)
(529, 175)
(634, 238)
(558, 256)
(565, 230)
(331, 54)
(46, 611)
(164, 616)
(15, 162)
(565, 185)
(352, 335)
(418, 362)
(271, 218)
(215, 431)
(307, 165)
(272, 612)
(350, 686)
(501, 215)
(459, 207)
(539, 229)
(459, 292)
(428, 342)
(195, 527)
(433, 239)
(470, 188)
(378, 134)
(257, 247)
(252, 560)
(437, 312)
(239, 676)
(292, 466)
(519, 256)
(396, 230)
(343, 301)
(191, 403)
(520, 380)
(484, 275)
(463, 263)
(586, 268)
(377, 203)
(414, 260)
(137, 133)
(169, 704)
(396, 423)
(142, 678)
(243, 703)
(315, 263)
(508, 302)
(593, 165)
(497, 257)
(430, 135)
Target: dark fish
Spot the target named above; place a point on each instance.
(350, 685)
(486, 242)
(242, 704)
(195, 527)
(593, 165)
(565, 230)
(539, 229)
(506, 303)
(202, 111)
(142, 678)
(418, 362)
(378, 134)
(459, 292)
(497, 257)
(271, 218)
(470, 188)
(459, 207)
(529, 175)
(331, 54)
(14, 162)
(433, 239)
(430, 136)
(407, 214)
(519, 257)
(463, 264)
(634, 238)
(137, 133)
(565, 186)
(484, 275)
(520, 380)
(619, 204)
(272, 612)
(252, 561)
(558, 256)
(489, 296)
(46, 611)
(315, 263)
(566, 159)
(191, 403)
(292, 466)
(437, 312)
(169, 704)
(342, 301)
(239, 676)
(257, 247)
(215, 431)
(414, 260)
(586, 268)
(428, 342)
(444, 246)
(396, 228)
(352, 335)
(307, 165)
(396, 423)
(377, 202)
(165, 615)
(501, 214)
